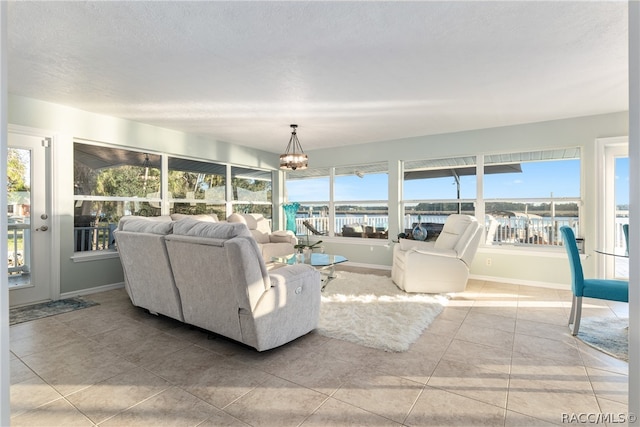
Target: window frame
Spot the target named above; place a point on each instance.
(228, 205)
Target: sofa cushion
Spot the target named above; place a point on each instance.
(201, 217)
(146, 225)
(215, 230)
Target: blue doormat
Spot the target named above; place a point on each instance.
(609, 335)
(46, 309)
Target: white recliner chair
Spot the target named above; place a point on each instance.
(441, 266)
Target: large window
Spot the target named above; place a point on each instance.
(251, 190)
(434, 189)
(358, 206)
(108, 184)
(197, 187)
(112, 182)
(528, 196)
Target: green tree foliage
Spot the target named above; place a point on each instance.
(17, 161)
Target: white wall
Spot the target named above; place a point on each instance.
(634, 207)
(5, 409)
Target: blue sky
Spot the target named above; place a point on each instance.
(537, 180)
(622, 181)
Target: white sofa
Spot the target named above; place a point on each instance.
(441, 266)
(212, 275)
(276, 243)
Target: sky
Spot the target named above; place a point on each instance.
(537, 180)
(622, 181)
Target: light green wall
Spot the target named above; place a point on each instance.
(67, 124)
(519, 266)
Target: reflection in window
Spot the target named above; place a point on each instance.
(251, 189)
(106, 171)
(197, 187)
(108, 184)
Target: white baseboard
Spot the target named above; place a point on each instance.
(90, 291)
(363, 265)
(521, 282)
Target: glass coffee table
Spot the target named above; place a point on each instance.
(325, 263)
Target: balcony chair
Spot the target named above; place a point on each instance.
(605, 289)
(440, 266)
(312, 229)
(625, 231)
(356, 230)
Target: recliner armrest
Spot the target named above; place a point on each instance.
(407, 244)
(448, 253)
(282, 275)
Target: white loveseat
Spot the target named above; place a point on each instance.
(276, 243)
(212, 275)
(441, 266)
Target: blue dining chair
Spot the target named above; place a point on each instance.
(606, 289)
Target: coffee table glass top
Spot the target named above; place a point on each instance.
(317, 259)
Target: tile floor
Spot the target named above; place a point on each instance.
(498, 355)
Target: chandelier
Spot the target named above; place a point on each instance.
(294, 158)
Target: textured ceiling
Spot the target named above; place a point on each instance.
(345, 72)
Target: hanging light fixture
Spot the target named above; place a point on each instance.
(294, 158)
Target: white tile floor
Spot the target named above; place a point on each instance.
(498, 355)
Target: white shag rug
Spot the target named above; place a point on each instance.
(370, 310)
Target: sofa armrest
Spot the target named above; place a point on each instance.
(290, 308)
(291, 273)
(282, 236)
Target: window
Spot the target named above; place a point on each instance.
(112, 182)
(433, 189)
(528, 196)
(251, 190)
(361, 195)
(311, 189)
(197, 187)
(108, 184)
(358, 206)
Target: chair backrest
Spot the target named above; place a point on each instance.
(577, 275)
(625, 230)
(257, 224)
(147, 271)
(461, 233)
(311, 228)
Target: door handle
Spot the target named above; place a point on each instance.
(42, 228)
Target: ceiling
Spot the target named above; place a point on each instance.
(345, 72)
